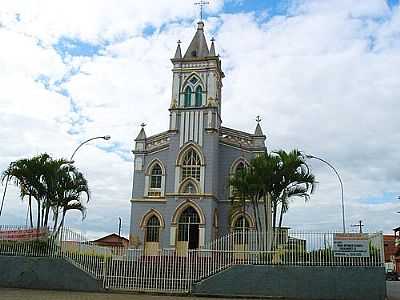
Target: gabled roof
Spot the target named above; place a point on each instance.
(198, 48)
(113, 235)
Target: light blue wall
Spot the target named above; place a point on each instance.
(218, 160)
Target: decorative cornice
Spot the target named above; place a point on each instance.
(150, 199)
(241, 139)
(195, 60)
(152, 151)
(204, 107)
(178, 195)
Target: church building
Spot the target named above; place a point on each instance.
(181, 196)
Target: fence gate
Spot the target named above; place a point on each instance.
(165, 272)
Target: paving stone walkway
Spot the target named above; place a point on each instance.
(23, 294)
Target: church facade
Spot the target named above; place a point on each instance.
(181, 196)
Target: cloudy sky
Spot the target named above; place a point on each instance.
(324, 76)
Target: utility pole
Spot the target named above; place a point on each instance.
(360, 225)
(119, 226)
(340, 181)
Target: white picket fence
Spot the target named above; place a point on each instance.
(176, 271)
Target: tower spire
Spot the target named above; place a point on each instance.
(258, 131)
(212, 48)
(178, 52)
(198, 48)
(142, 134)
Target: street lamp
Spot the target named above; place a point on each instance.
(341, 184)
(106, 137)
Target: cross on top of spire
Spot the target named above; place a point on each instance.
(258, 119)
(202, 4)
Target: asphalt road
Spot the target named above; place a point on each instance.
(393, 290)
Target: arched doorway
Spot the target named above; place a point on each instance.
(240, 229)
(188, 229)
(152, 236)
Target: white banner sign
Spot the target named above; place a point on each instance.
(350, 245)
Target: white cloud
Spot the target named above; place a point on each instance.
(325, 80)
(94, 20)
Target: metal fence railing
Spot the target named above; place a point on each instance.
(166, 271)
(293, 247)
(25, 241)
(174, 270)
(73, 247)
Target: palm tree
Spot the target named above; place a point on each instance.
(52, 173)
(26, 174)
(71, 187)
(295, 180)
(56, 185)
(244, 188)
(257, 184)
(270, 181)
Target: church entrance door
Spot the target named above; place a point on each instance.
(193, 236)
(188, 231)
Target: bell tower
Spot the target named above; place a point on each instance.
(196, 90)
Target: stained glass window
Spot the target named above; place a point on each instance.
(188, 97)
(191, 165)
(193, 80)
(199, 96)
(189, 188)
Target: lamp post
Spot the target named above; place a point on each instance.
(106, 137)
(340, 181)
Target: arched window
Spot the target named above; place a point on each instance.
(191, 165)
(155, 180)
(156, 174)
(199, 96)
(237, 169)
(240, 167)
(188, 97)
(190, 188)
(153, 230)
(241, 224)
